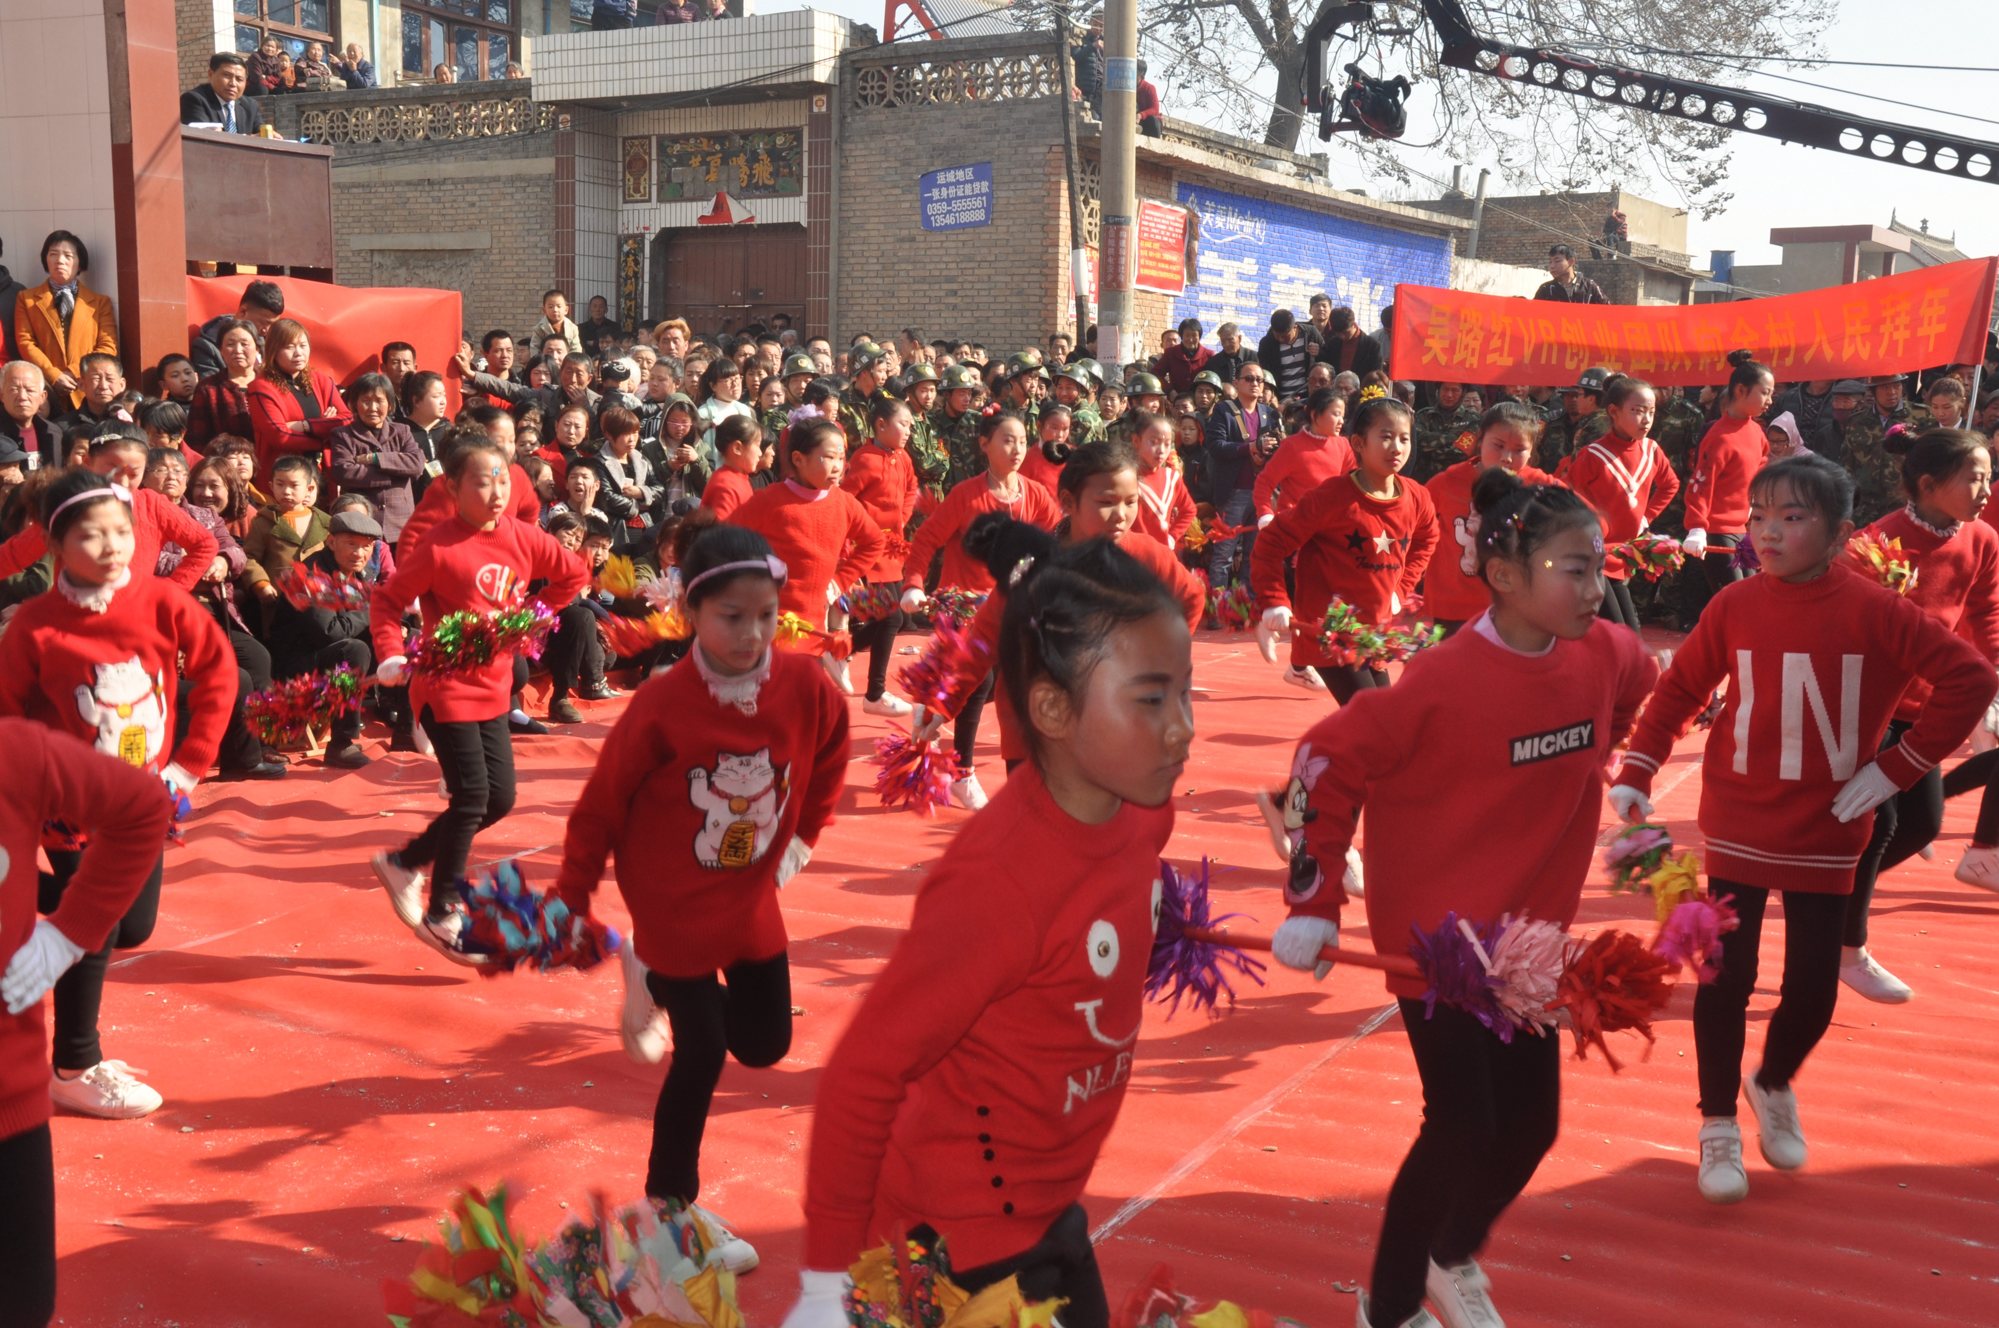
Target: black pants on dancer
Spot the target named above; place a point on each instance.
(877, 637)
(79, 993)
(28, 1229)
(1617, 606)
(1491, 1111)
(477, 762)
(1345, 681)
(965, 731)
(1060, 1266)
(1813, 924)
(1902, 825)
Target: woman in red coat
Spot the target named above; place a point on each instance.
(293, 406)
(222, 400)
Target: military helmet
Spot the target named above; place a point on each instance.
(1144, 385)
(866, 355)
(1208, 378)
(962, 377)
(919, 373)
(799, 363)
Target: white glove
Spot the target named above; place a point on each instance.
(178, 779)
(913, 600)
(392, 671)
(796, 854)
(832, 592)
(1275, 623)
(924, 725)
(1394, 602)
(1695, 544)
(1631, 805)
(1299, 940)
(1863, 793)
(1265, 519)
(45, 956)
(820, 1303)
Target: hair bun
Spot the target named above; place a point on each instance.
(1738, 358)
(1494, 486)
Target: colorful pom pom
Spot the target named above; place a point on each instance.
(1613, 983)
(1651, 556)
(463, 641)
(872, 601)
(478, 1274)
(285, 711)
(1884, 560)
(1452, 960)
(627, 638)
(1233, 607)
(957, 606)
(517, 928)
(1692, 935)
(907, 1284)
(1187, 961)
(1635, 854)
(914, 775)
(1348, 640)
(620, 576)
(931, 680)
(1745, 558)
(309, 588)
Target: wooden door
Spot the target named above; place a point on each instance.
(723, 278)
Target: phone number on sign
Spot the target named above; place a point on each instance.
(962, 209)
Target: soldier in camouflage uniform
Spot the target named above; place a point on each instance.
(1436, 431)
(798, 372)
(1072, 389)
(1872, 456)
(1582, 421)
(862, 392)
(1021, 389)
(1144, 394)
(955, 424)
(932, 462)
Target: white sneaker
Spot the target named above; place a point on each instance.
(1355, 879)
(1420, 1319)
(1778, 1133)
(423, 743)
(967, 793)
(1979, 867)
(1306, 678)
(109, 1090)
(1722, 1179)
(836, 669)
(642, 1026)
(1928, 852)
(1462, 1295)
(446, 936)
(891, 705)
(405, 887)
(736, 1254)
(1859, 970)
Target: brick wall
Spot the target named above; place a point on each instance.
(194, 35)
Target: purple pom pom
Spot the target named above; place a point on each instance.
(1450, 962)
(1192, 966)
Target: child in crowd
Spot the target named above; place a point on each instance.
(291, 527)
(1453, 591)
(1731, 452)
(1490, 1107)
(882, 476)
(377, 455)
(476, 562)
(1363, 539)
(1786, 803)
(1043, 463)
(711, 791)
(1625, 477)
(165, 423)
(1165, 508)
(1032, 931)
(738, 449)
(683, 471)
(1316, 453)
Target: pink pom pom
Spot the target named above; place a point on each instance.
(914, 775)
(1692, 935)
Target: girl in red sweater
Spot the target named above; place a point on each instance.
(1043, 463)
(478, 561)
(711, 791)
(1816, 657)
(883, 478)
(1947, 475)
(739, 448)
(120, 808)
(1453, 591)
(1165, 508)
(1731, 452)
(98, 656)
(1625, 476)
(1316, 453)
(1363, 538)
(1490, 1107)
(975, 1088)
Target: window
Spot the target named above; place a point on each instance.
(478, 38)
(292, 22)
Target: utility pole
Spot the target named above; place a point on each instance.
(1079, 264)
(1477, 216)
(1118, 176)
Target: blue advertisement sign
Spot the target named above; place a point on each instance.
(957, 197)
(1257, 256)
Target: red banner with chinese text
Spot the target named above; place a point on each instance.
(348, 325)
(1915, 320)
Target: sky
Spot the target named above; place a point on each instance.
(1777, 184)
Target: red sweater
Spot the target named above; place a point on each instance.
(125, 813)
(698, 801)
(1957, 584)
(945, 529)
(460, 568)
(111, 678)
(823, 536)
(977, 1084)
(1165, 508)
(1037, 467)
(1349, 545)
(1814, 671)
(155, 521)
(1718, 494)
(438, 506)
(884, 483)
(1301, 464)
(273, 407)
(1449, 591)
(1628, 483)
(725, 491)
(1470, 737)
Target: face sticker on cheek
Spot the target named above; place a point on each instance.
(1596, 542)
(1102, 946)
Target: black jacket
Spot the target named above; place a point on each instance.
(200, 105)
(1229, 465)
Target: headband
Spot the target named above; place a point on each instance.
(769, 563)
(118, 491)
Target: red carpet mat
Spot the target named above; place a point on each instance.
(329, 1082)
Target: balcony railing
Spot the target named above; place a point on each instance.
(439, 112)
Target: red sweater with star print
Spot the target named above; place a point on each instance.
(1814, 672)
(1390, 754)
(1450, 592)
(725, 491)
(156, 520)
(1165, 508)
(945, 529)
(459, 568)
(1628, 484)
(112, 678)
(698, 800)
(1731, 452)
(1362, 549)
(823, 536)
(125, 814)
(883, 481)
(1301, 464)
(1957, 583)
(976, 1087)
(438, 506)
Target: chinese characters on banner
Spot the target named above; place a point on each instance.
(638, 170)
(1162, 248)
(1915, 320)
(756, 163)
(956, 197)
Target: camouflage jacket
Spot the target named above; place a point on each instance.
(1562, 440)
(1678, 431)
(933, 463)
(960, 440)
(1085, 425)
(1877, 471)
(1440, 442)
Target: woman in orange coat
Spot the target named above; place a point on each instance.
(293, 406)
(60, 321)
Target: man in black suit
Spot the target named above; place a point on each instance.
(222, 101)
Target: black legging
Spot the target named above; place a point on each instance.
(1344, 681)
(1717, 569)
(79, 993)
(28, 1229)
(1617, 606)
(568, 652)
(1491, 1111)
(746, 1013)
(477, 762)
(1980, 772)
(1062, 1265)
(1902, 825)
(877, 637)
(965, 733)
(1812, 926)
